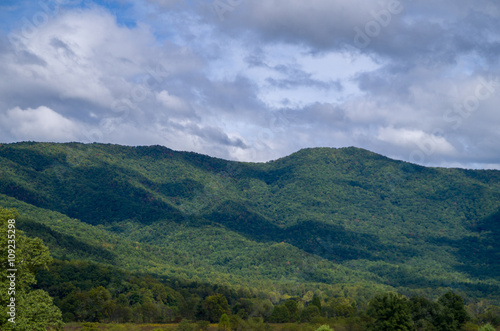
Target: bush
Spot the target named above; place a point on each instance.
(291, 327)
(184, 325)
(124, 327)
(202, 325)
(89, 326)
(487, 327)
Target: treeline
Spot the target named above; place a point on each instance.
(90, 292)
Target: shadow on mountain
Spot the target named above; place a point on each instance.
(71, 246)
(479, 255)
(332, 242)
(98, 195)
(237, 217)
(30, 158)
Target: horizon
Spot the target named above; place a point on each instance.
(254, 162)
(251, 81)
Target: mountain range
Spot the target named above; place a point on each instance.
(336, 220)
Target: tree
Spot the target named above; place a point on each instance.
(487, 327)
(202, 325)
(344, 307)
(34, 309)
(215, 306)
(316, 301)
(99, 305)
(224, 323)
(308, 296)
(280, 314)
(309, 313)
(38, 311)
(491, 315)
(390, 312)
(324, 328)
(263, 308)
(453, 314)
(293, 309)
(235, 322)
(423, 313)
(184, 325)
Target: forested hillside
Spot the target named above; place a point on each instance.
(333, 222)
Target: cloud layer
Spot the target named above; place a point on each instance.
(254, 81)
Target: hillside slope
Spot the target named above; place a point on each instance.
(319, 216)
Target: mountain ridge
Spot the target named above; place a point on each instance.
(390, 222)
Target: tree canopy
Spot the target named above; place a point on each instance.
(22, 307)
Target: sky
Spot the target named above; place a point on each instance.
(252, 80)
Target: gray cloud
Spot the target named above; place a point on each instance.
(263, 79)
(295, 77)
(216, 136)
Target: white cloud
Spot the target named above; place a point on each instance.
(171, 102)
(87, 56)
(416, 139)
(270, 78)
(40, 124)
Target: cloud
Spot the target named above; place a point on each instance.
(261, 79)
(40, 124)
(320, 24)
(411, 139)
(171, 101)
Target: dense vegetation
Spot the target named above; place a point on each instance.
(90, 292)
(337, 223)
(22, 307)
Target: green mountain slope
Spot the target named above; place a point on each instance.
(319, 218)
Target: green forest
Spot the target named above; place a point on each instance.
(341, 239)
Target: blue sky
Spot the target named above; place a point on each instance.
(257, 80)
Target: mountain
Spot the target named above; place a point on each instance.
(331, 219)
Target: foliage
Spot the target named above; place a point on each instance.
(424, 313)
(90, 326)
(214, 307)
(90, 292)
(390, 312)
(487, 327)
(324, 328)
(331, 228)
(293, 309)
(341, 307)
(31, 309)
(202, 325)
(491, 315)
(453, 314)
(224, 324)
(309, 313)
(317, 302)
(184, 325)
(280, 314)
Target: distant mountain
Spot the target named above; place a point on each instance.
(336, 219)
